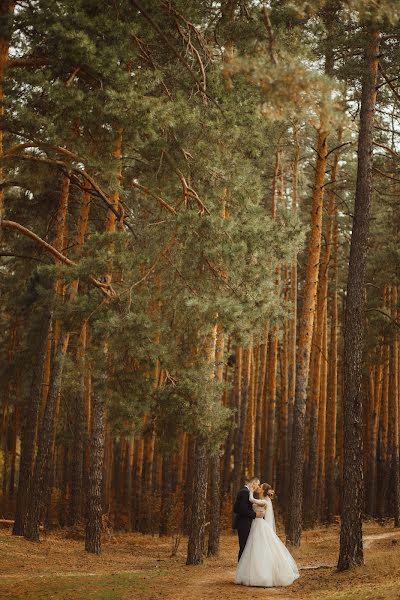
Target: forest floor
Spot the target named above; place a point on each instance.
(135, 566)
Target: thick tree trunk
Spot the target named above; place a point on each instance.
(195, 552)
(94, 509)
(351, 545)
(30, 423)
(215, 506)
(38, 488)
(76, 493)
(293, 525)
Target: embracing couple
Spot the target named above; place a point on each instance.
(264, 561)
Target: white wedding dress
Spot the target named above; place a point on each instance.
(265, 562)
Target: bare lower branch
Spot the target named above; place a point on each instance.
(104, 287)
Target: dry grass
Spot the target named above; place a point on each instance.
(133, 565)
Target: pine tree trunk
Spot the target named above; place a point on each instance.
(260, 403)
(351, 545)
(331, 412)
(215, 506)
(166, 495)
(384, 438)
(271, 386)
(76, 493)
(189, 481)
(215, 466)
(195, 552)
(293, 525)
(320, 495)
(94, 509)
(372, 479)
(38, 488)
(293, 317)
(394, 396)
(318, 357)
(30, 423)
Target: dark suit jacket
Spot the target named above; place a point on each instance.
(243, 510)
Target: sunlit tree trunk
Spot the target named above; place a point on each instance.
(293, 525)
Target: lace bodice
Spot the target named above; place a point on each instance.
(259, 506)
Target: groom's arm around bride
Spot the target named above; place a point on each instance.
(244, 513)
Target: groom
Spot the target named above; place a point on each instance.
(244, 513)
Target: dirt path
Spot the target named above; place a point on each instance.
(134, 565)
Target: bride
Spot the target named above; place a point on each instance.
(265, 562)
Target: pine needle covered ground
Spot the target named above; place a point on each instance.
(133, 565)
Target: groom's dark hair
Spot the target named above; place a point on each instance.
(252, 479)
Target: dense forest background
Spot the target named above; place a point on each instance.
(177, 199)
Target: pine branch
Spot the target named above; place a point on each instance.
(5, 224)
(389, 82)
(175, 52)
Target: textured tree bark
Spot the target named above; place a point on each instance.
(215, 506)
(293, 525)
(320, 495)
(76, 492)
(271, 395)
(98, 417)
(166, 495)
(384, 437)
(214, 466)
(30, 423)
(260, 403)
(331, 411)
(351, 545)
(94, 509)
(195, 552)
(38, 488)
(375, 419)
(394, 396)
(311, 513)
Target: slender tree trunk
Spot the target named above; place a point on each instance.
(166, 495)
(260, 403)
(351, 545)
(320, 495)
(293, 299)
(215, 467)
(293, 525)
(384, 438)
(215, 506)
(272, 374)
(394, 396)
(375, 418)
(331, 413)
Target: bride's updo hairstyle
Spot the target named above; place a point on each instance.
(265, 488)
